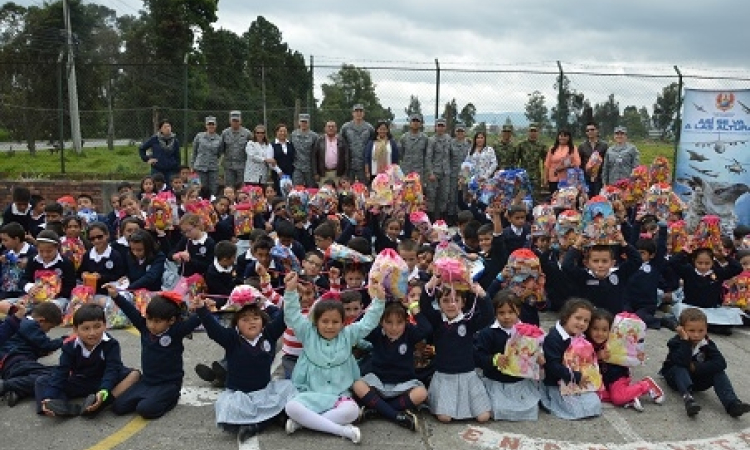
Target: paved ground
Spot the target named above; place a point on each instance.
(191, 424)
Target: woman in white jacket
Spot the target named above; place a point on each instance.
(259, 156)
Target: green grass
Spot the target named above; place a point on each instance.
(121, 163)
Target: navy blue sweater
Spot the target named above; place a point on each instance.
(101, 370)
(558, 287)
(487, 343)
(22, 219)
(604, 293)
(704, 291)
(147, 274)
(161, 356)
(513, 241)
(707, 362)
(201, 255)
(640, 291)
(30, 343)
(454, 343)
(393, 361)
(110, 268)
(248, 366)
(219, 283)
(9, 327)
(64, 269)
(554, 370)
(494, 261)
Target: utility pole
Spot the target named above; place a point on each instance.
(75, 119)
(111, 119)
(263, 92)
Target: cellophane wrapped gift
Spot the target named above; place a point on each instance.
(658, 201)
(47, 284)
(141, 299)
(611, 193)
(626, 340)
(116, 319)
(568, 220)
(593, 165)
(205, 210)
(297, 202)
(581, 357)
(80, 295)
(411, 192)
(382, 193)
(73, 249)
(243, 219)
(191, 286)
(256, 198)
(194, 179)
(708, 234)
(565, 198)
(344, 254)
(243, 295)
(512, 184)
(286, 185)
(640, 182)
(522, 351)
(441, 230)
(159, 213)
(737, 291)
(467, 171)
(395, 175)
(660, 170)
(524, 264)
(392, 272)
(575, 178)
(88, 215)
(361, 194)
(421, 222)
(600, 225)
(678, 239)
(325, 200)
(451, 263)
(544, 220)
(286, 255)
(488, 192)
(627, 196)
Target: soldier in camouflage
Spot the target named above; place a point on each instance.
(505, 150)
(530, 155)
(438, 169)
(460, 146)
(206, 154)
(233, 141)
(413, 147)
(356, 133)
(303, 140)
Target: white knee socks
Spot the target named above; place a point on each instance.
(328, 422)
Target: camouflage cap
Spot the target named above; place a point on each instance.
(508, 128)
(533, 126)
(304, 117)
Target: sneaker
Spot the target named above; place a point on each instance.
(366, 413)
(670, 322)
(12, 398)
(654, 391)
(635, 404)
(247, 431)
(291, 426)
(87, 403)
(354, 434)
(61, 408)
(205, 373)
(738, 408)
(691, 407)
(408, 420)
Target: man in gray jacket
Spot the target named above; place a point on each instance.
(438, 169)
(234, 140)
(206, 153)
(413, 147)
(356, 133)
(621, 158)
(303, 140)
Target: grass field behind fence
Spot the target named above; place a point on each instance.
(124, 163)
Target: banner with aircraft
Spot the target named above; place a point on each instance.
(712, 164)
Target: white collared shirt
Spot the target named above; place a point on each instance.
(24, 249)
(518, 231)
(200, 241)
(509, 331)
(14, 210)
(697, 348)
(57, 259)
(86, 352)
(96, 257)
(220, 268)
(456, 319)
(254, 341)
(710, 271)
(123, 241)
(564, 334)
(283, 146)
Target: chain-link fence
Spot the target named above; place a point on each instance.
(120, 104)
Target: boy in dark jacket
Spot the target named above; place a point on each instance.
(695, 363)
(220, 275)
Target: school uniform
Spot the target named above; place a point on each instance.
(275, 269)
(494, 261)
(224, 229)
(62, 267)
(512, 398)
(640, 291)
(456, 390)
(516, 237)
(12, 214)
(158, 390)
(146, 274)
(82, 372)
(37, 224)
(220, 281)
(201, 254)
(606, 293)
(557, 286)
(110, 266)
(11, 273)
(251, 397)
(570, 407)
(616, 382)
(9, 326)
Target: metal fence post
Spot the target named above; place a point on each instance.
(437, 89)
(678, 119)
(311, 109)
(185, 113)
(561, 121)
(61, 114)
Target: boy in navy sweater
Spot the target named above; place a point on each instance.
(493, 249)
(600, 281)
(14, 257)
(195, 251)
(518, 233)
(695, 363)
(9, 327)
(90, 366)
(220, 275)
(20, 210)
(19, 355)
(640, 292)
(261, 251)
(158, 389)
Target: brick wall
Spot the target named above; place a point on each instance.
(51, 190)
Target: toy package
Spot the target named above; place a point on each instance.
(255, 198)
(286, 185)
(361, 194)
(593, 165)
(600, 225)
(581, 357)
(640, 183)
(190, 286)
(382, 191)
(441, 230)
(80, 295)
(660, 170)
(47, 285)
(421, 222)
(678, 239)
(544, 220)
(658, 201)
(489, 191)
(205, 210)
(243, 219)
(522, 350)
(159, 214)
(512, 185)
(737, 291)
(297, 201)
(392, 272)
(451, 263)
(141, 299)
(611, 193)
(565, 198)
(73, 249)
(708, 234)
(411, 193)
(116, 319)
(325, 200)
(342, 253)
(523, 264)
(575, 178)
(568, 220)
(626, 340)
(287, 257)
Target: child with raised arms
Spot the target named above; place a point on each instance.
(326, 370)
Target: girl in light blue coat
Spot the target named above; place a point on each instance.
(326, 370)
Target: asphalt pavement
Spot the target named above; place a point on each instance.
(191, 425)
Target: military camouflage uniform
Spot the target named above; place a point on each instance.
(413, 148)
(459, 152)
(438, 163)
(530, 156)
(505, 153)
(206, 153)
(303, 141)
(356, 137)
(235, 157)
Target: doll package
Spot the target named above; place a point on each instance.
(626, 340)
(580, 357)
(522, 350)
(392, 272)
(600, 225)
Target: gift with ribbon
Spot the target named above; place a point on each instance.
(451, 264)
(243, 219)
(391, 271)
(600, 225)
(626, 340)
(737, 291)
(80, 295)
(522, 351)
(580, 357)
(241, 296)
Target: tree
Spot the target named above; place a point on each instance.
(567, 114)
(349, 86)
(481, 128)
(536, 110)
(607, 115)
(467, 115)
(415, 107)
(631, 118)
(645, 119)
(665, 111)
(450, 114)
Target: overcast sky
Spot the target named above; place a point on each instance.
(636, 36)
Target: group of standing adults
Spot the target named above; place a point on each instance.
(360, 151)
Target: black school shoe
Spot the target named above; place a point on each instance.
(12, 398)
(62, 408)
(219, 371)
(205, 373)
(408, 420)
(738, 408)
(691, 407)
(247, 431)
